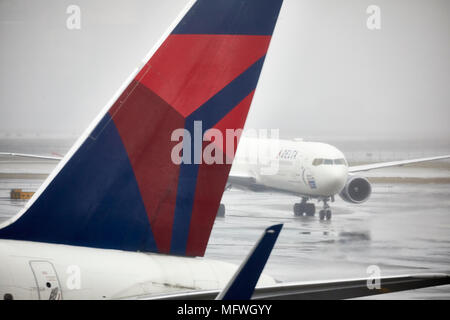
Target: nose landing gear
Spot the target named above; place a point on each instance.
(304, 208)
(221, 211)
(325, 213)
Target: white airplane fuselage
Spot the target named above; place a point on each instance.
(33, 270)
(311, 169)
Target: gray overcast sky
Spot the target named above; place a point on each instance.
(326, 73)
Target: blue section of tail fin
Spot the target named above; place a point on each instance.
(109, 223)
(252, 17)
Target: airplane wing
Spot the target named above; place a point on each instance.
(372, 166)
(241, 179)
(26, 155)
(326, 290)
(242, 284)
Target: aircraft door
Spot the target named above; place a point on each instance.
(47, 281)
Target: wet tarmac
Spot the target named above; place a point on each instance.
(404, 228)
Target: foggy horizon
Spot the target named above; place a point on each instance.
(326, 74)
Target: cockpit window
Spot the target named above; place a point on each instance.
(317, 162)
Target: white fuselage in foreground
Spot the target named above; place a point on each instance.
(32, 270)
(305, 168)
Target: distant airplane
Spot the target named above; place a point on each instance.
(310, 170)
(117, 218)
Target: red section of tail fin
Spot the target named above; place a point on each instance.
(209, 193)
(145, 126)
(234, 121)
(190, 69)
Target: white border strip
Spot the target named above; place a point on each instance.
(99, 117)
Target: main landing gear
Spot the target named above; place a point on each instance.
(308, 209)
(304, 208)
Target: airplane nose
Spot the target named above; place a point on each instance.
(335, 179)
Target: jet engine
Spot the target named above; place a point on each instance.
(356, 190)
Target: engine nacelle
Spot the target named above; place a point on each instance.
(356, 190)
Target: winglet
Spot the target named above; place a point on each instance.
(243, 283)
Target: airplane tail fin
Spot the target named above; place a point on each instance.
(119, 186)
